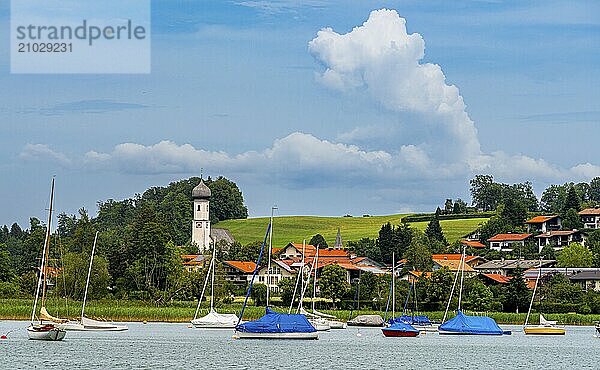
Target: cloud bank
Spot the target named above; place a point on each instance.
(379, 61)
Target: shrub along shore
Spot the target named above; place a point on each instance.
(183, 311)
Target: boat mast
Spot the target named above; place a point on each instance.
(452, 291)
(298, 277)
(315, 280)
(269, 261)
(393, 285)
(462, 276)
(537, 279)
(87, 283)
(44, 257)
(48, 233)
(212, 278)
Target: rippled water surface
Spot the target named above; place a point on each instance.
(158, 345)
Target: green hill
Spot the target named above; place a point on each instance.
(296, 228)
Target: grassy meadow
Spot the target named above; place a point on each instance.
(296, 228)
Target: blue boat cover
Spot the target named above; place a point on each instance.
(274, 322)
(413, 320)
(402, 326)
(462, 323)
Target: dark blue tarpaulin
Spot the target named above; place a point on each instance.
(274, 322)
(402, 326)
(476, 325)
(412, 320)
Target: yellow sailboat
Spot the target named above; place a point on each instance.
(545, 327)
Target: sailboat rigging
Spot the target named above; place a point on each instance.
(395, 327)
(545, 327)
(213, 320)
(272, 325)
(85, 323)
(51, 330)
(463, 324)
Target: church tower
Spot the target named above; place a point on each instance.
(201, 223)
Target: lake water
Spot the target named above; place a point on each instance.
(159, 345)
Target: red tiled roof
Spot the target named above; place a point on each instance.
(452, 257)
(453, 265)
(498, 278)
(508, 237)
(472, 243)
(420, 273)
(590, 211)
(540, 219)
(247, 267)
(557, 233)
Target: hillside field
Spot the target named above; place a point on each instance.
(296, 228)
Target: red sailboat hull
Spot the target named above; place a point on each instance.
(399, 333)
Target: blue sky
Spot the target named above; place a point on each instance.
(236, 89)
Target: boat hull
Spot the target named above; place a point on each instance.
(426, 328)
(297, 336)
(337, 325)
(319, 324)
(91, 325)
(544, 330)
(45, 332)
(446, 332)
(399, 333)
(213, 326)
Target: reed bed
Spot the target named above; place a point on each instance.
(183, 311)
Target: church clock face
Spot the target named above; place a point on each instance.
(198, 225)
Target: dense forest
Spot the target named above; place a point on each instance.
(139, 245)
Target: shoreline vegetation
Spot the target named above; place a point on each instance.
(183, 312)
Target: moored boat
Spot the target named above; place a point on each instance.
(400, 329)
(272, 325)
(50, 330)
(375, 321)
(463, 324)
(545, 327)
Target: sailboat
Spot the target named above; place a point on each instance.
(272, 325)
(545, 327)
(48, 327)
(463, 324)
(320, 323)
(85, 323)
(397, 328)
(420, 322)
(213, 320)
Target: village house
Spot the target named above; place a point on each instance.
(589, 280)
(559, 239)
(194, 262)
(544, 224)
(508, 242)
(586, 276)
(590, 217)
(271, 278)
(238, 272)
(508, 267)
(494, 279)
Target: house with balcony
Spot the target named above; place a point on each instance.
(559, 239)
(543, 224)
(508, 242)
(590, 217)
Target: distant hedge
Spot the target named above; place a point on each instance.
(458, 216)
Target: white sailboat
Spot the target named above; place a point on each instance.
(545, 327)
(85, 323)
(48, 326)
(213, 320)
